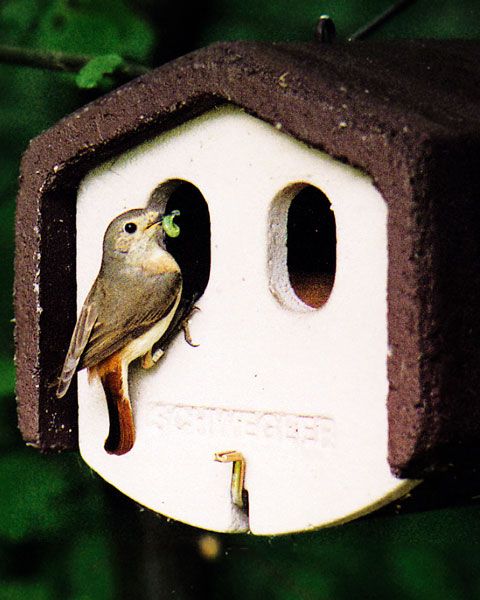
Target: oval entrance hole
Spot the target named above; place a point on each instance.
(311, 246)
(191, 249)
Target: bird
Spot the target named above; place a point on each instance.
(128, 309)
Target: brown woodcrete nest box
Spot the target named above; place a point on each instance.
(329, 233)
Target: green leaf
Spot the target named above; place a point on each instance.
(92, 74)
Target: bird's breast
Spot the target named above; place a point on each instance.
(158, 261)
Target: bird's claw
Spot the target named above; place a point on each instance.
(186, 328)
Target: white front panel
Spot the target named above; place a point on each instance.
(300, 393)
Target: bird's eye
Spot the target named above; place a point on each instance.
(130, 228)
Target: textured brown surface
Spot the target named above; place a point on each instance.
(407, 113)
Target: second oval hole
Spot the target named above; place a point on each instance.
(311, 246)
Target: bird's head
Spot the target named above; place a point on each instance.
(137, 233)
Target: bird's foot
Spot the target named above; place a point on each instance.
(147, 360)
(157, 355)
(186, 328)
(150, 359)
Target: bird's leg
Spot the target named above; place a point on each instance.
(149, 359)
(186, 328)
(121, 435)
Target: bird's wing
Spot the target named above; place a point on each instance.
(80, 337)
(129, 312)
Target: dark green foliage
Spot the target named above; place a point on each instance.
(55, 541)
(91, 27)
(58, 529)
(415, 557)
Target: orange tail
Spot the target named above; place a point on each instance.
(121, 436)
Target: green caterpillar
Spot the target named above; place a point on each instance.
(171, 228)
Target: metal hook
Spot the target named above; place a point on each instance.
(237, 489)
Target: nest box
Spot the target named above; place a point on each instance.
(329, 235)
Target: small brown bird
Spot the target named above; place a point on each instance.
(128, 309)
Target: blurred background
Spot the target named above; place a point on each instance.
(64, 533)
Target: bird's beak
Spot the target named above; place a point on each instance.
(155, 222)
(164, 221)
(153, 225)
